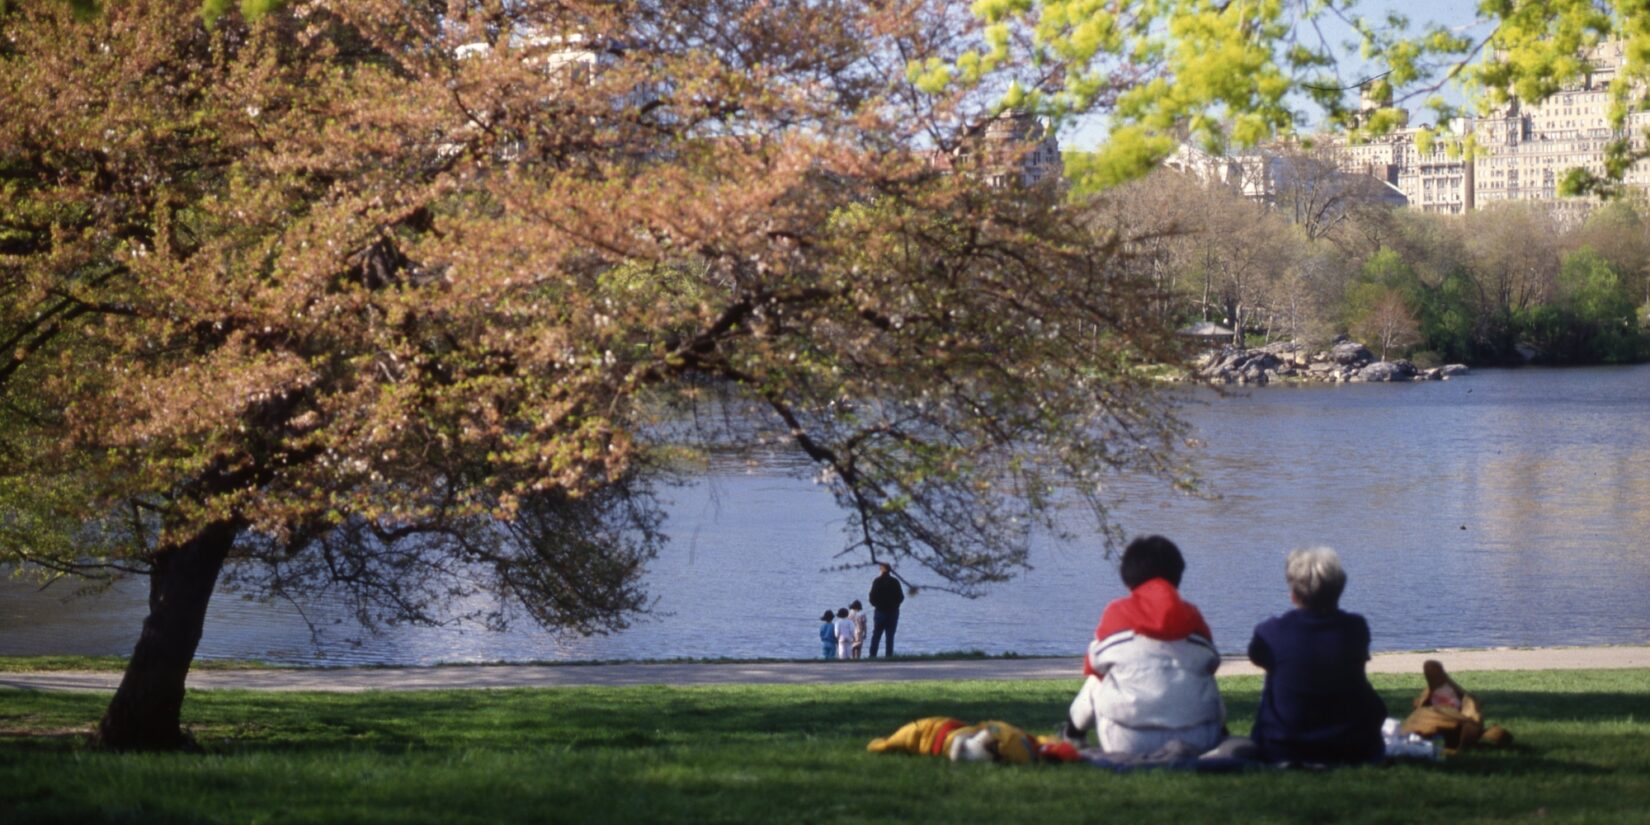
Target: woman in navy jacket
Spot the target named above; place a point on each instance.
(1317, 705)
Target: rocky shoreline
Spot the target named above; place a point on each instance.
(1345, 362)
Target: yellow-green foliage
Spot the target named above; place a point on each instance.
(250, 9)
(1232, 72)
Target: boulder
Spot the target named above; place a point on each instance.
(1264, 360)
(1351, 353)
(1225, 362)
(1348, 361)
(1382, 371)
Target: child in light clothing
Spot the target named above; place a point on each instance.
(844, 627)
(856, 614)
(827, 636)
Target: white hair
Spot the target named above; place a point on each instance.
(1316, 577)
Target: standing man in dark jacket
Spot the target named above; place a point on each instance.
(886, 597)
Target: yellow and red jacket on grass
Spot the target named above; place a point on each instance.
(956, 740)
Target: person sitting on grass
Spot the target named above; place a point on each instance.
(1149, 679)
(1316, 706)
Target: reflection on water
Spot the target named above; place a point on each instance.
(1510, 507)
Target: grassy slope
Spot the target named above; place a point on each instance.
(782, 754)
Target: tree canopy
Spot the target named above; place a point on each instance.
(398, 297)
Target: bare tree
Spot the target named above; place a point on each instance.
(1318, 195)
(1241, 250)
(1388, 322)
(1514, 253)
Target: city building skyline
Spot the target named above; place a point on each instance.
(1522, 152)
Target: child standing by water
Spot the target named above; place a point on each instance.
(827, 636)
(844, 633)
(856, 614)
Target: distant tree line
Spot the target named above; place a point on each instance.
(1506, 284)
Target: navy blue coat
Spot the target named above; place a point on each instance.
(1317, 704)
(886, 593)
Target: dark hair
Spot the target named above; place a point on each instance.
(1151, 557)
(855, 605)
(827, 617)
(886, 567)
(842, 613)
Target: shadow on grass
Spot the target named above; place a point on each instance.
(1588, 707)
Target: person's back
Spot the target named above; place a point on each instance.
(886, 597)
(1159, 666)
(856, 614)
(1317, 704)
(844, 628)
(827, 635)
(885, 591)
(1149, 673)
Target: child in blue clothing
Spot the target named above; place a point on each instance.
(827, 635)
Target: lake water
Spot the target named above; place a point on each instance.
(1508, 507)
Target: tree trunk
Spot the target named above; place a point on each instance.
(146, 709)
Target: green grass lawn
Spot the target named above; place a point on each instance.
(782, 754)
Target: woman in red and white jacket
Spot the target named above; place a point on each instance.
(1149, 677)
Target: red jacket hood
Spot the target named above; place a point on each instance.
(1154, 610)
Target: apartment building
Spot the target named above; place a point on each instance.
(1431, 180)
(1012, 149)
(1295, 176)
(1523, 151)
(1526, 150)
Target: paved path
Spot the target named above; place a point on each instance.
(350, 680)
